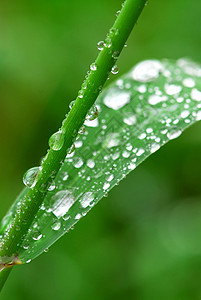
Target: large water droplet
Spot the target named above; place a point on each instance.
(196, 95)
(147, 70)
(86, 199)
(61, 202)
(29, 178)
(116, 99)
(56, 141)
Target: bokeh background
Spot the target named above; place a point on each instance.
(144, 240)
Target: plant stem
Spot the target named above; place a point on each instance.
(91, 88)
(3, 276)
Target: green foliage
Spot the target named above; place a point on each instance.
(138, 113)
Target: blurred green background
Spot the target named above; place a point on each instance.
(144, 240)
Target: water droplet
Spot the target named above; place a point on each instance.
(130, 119)
(61, 202)
(142, 136)
(56, 225)
(155, 99)
(115, 54)
(100, 45)
(90, 163)
(52, 186)
(78, 144)
(154, 148)
(172, 89)
(71, 104)
(117, 13)
(37, 235)
(189, 82)
(78, 216)
(198, 116)
(185, 114)
(147, 70)
(174, 132)
(93, 67)
(108, 42)
(56, 141)
(82, 130)
(140, 152)
(110, 177)
(196, 95)
(131, 166)
(30, 176)
(86, 199)
(93, 113)
(71, 149)
(93, 123)
(28, 261)
(111, 140)
(126, 154)
(106, 185)
(77, 162)
(116, 99)
(115, 70)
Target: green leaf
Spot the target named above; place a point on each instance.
(138, 113)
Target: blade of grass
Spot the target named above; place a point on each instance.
(93, 84)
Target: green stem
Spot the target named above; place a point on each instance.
(91, 88)
(3, 276)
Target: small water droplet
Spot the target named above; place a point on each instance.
(115, 70)
(93, 113)
(71, 104)
(37, 235)
(77, 162)
(154, 148)
(172, 89)
(82, 130)
(100, 45)
(117, 13)
(93, 67)
(185, 114)
(174, 132)
(115, 54)
(78, 216)
(30, 176)
(56, 141)
(52, 186)
(140, 152)
(131, 166)
(56, 225)
(106, 185)
(90, 163)
(71, 149)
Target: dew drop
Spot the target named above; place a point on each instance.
(115, 70)
(131, 166)
(172, 89)
(140, 152)
(86, 199)
(189, 82)
(130, 119)
(93, 67)
(71, 149)
(116, 99)
(147, 70)
(115, 54)
(111, 140)
(56, 141)
(37, 235)
(174, 132)
(93, 113)
(90, 163)
(77, 162)
(71, 104)
(29, 178)
(154, 148)
(196, 95)
(100, 45)
(185, 114)
(106, 185)
(61, 202)
(56, 225)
